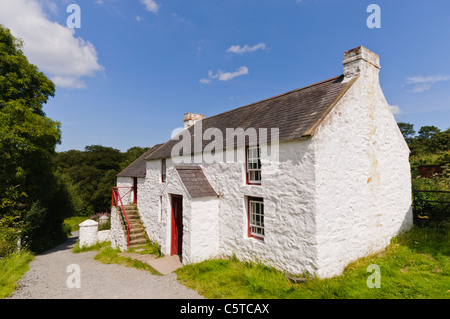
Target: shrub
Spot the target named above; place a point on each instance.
(8, 240)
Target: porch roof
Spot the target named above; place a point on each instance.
(195, 181)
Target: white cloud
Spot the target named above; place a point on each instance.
(423, 83)
(205, 81)
(395, 109)
(52, 47)
(151, 5)
(246, 48)
(224, 76)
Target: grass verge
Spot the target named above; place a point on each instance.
(12, 268)
(109, 255)
(415, 265)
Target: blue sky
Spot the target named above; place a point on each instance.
(127, 76)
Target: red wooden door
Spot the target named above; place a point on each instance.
(135, 190)
(177, 225)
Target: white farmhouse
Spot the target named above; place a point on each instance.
(320, 178)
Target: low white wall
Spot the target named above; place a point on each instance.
(89, 234)
(104, 235)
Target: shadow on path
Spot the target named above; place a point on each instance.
(68, 244)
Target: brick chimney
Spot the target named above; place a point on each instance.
(361, 61)
(191, 118)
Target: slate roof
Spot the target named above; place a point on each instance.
(195, 181)
(296, 114)
(138, 167)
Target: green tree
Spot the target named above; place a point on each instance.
(27, 141)
(407, 130)
(428, 132)
(89, 175)
(131, 155)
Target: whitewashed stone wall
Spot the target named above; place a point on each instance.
(289, 203)
(125, 193)
(363, 184)
(103, 236)
(204, 229)
(117, 235)
(88, 233)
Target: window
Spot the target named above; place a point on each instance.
(163, 170)
(256, 217)
(254, 165)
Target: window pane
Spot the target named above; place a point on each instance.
(256, 217)
(254, 164)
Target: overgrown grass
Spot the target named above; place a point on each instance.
(99, 246)
(109, 255)
(12, 268)
(150, 248)
(415, 265)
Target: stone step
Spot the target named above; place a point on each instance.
(138, 236)
(134, 229)
(133, 216)
(138, 241)
(137, 230)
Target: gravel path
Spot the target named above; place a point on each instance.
(48, 276)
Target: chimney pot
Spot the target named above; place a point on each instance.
(191, 118)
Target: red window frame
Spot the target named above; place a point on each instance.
(251, 199)
(247, 173)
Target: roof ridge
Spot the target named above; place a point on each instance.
(309, 101)
(276, 96)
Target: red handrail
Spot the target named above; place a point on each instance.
(115, 199)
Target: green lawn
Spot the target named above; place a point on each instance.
(73, 222)
(415, 265)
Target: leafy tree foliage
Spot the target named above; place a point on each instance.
(90, 174)
(27, 143)
(407, 130)
(131, 155)
(429, 140)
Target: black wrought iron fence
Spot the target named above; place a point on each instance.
(431, 206)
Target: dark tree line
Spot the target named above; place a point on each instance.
(89, 175)
(429, 140)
